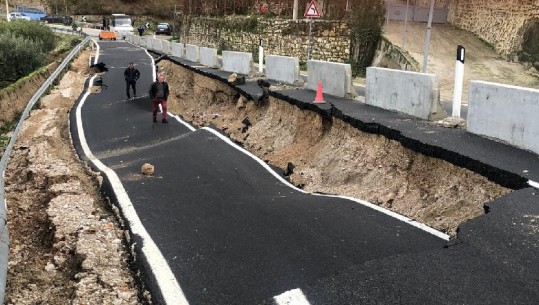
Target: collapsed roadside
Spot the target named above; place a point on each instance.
(66, 245)
(330, 156)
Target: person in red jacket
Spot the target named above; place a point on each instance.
(159, 94)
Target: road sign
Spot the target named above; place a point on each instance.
(312, 11)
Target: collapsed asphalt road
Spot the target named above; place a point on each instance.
(232, 232)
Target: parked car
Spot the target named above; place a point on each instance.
(21, 16)
(65, 20)
(163, 28)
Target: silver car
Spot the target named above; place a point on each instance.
(17, 15)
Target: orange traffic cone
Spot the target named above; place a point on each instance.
(319, 99)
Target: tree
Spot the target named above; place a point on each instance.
(366, 21)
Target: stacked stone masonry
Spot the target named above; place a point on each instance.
(329, 40)
(500, 23)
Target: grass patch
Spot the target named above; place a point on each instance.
(5, 130)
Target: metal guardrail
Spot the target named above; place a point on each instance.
(4, 234)
(68, 31)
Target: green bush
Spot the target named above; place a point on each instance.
(31, 30)
(19, 56)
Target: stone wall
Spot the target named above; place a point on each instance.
(330, 39)
(503, 24)
(392, 57)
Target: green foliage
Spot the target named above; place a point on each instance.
(223, 46)
(31, 30)
(303, 66)
(66, 43)
(4, 140)
(23, 48)
(365, 32)
(19, 56)
(5, 129)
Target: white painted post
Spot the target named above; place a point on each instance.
(260, 57)
(310, 38)
(459, 78)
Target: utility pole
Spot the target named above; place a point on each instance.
(7, 12)
(427, 40)
(405, 25)
(295, 10)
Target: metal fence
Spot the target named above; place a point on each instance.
(4, 234)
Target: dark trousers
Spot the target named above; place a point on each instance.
(131, 84)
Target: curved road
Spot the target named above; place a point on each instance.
(215, 225)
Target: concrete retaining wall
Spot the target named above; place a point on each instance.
(149, 43)
(208, 57)
(165, 46)
(157, 44)
(283, 69)
(237, 62)
(413, 93)
(192, 52)
(142, 42)
(177, 49)
(336, 78)
(504, 112)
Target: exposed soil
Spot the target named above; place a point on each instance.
(66, 246)
(333, 157)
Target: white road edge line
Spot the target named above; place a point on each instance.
(362, 202)
(184, 123)
(291, 297)
(170, 289)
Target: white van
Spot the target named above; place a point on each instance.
(121, 24)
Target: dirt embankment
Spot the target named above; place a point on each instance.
(14, 100)
(66, 246)
(332, 157)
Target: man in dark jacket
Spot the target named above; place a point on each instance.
(131, 75)
(159, 95)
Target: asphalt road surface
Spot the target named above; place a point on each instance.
(214, 225)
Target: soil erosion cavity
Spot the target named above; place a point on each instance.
(333, 157)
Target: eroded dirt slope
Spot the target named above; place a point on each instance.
(66, 246)
(334, 158)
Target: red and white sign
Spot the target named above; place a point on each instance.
(312, 11)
